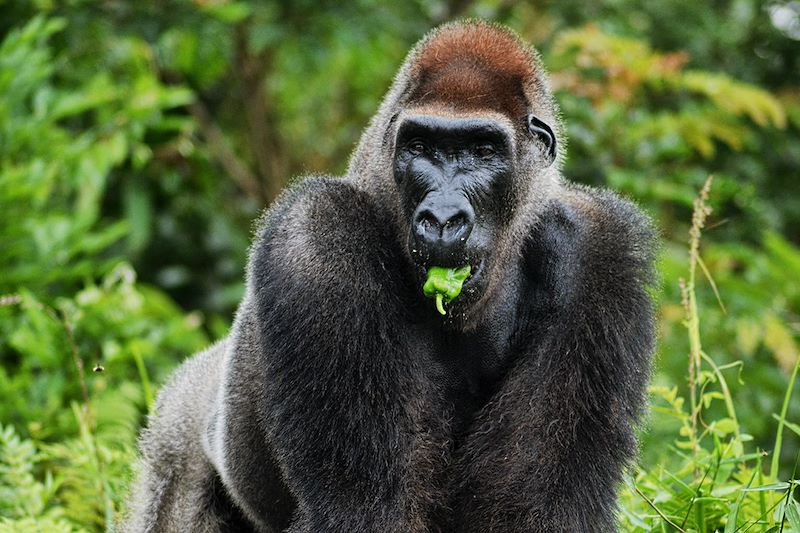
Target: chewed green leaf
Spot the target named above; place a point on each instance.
(444, 284)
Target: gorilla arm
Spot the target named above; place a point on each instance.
(546, 454)
(176, 487)
(321, 377)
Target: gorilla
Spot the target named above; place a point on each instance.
(344, 401)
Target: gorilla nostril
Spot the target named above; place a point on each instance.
(457, 228)
(457, 221)
(427, 225)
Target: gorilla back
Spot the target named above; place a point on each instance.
(344, 401)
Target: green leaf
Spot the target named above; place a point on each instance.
(444, 284)
(779, 486)
(710, 396)
(725, 426)
(730, 520)
(793, 514)
(229, 13)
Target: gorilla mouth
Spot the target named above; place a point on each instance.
(444, 285)
(425, 258)
(476, 271)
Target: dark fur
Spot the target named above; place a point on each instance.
(342, 402)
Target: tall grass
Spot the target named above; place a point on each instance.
(710, 480)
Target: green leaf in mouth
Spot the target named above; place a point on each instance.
(445, 284)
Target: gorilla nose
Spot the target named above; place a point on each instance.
(443, 223)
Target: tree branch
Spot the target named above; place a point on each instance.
(217, 145)
(267, 149)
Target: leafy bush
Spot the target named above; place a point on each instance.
(70, 302)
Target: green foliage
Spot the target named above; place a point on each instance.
(708, 480)
(138, 140)
(652, 112)
(74, 485)
(54, 176)
(69, 301)
(21, 495)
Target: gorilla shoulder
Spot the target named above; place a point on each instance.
(318, 221)
(592, 244)
(617, 234)
(328, 234)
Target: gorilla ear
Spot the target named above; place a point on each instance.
(543, 132)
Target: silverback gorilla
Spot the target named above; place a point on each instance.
(343, 401)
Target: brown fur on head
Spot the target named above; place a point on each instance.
(474, 67)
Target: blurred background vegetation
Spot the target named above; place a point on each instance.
(138, 141)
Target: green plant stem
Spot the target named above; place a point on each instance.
(726, 392)
(664, 517)
(762, 499)
(699, 516)
(146, 388)
(776, 451)
(78, 362)
(699, 214)
(693, 325)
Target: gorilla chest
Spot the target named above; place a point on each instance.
(467, 369)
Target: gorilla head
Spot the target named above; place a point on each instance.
(468, 135)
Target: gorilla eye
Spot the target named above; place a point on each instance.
(416, 147)
(485, 151)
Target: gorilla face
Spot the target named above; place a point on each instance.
(454, 176)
